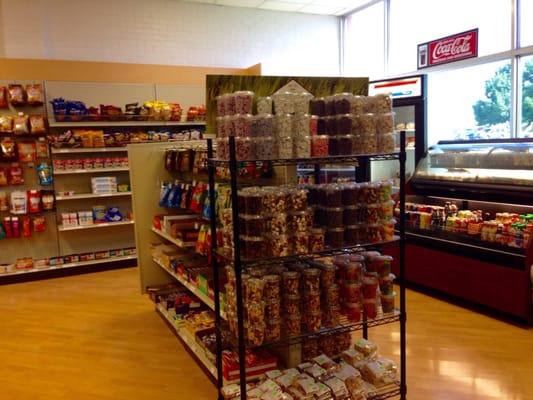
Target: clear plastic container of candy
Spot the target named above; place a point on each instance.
(222, 148)
(298, 199)
(385, 190)
(328, 273)
(274, 199)
(299, 243)
(346, 145)
(316, 240)
(330, 105)
(243, 102)
(264, 105)
(255, 313)
(311, 280)
(335, 237)
(387, 302)
(291, 304)
(321, 126)
(285, 147)
(317, 106)
(313, 321)
(353, 311)
(253, 201)
(350, 215)
(292, 325)
(331, 316)
(290, 283)
(344, 124)
(273, 330)
(353, 271)
(350, 193)
(351, 235)
(382, 103)
(256, 333)
(370, 193)
(300, 221)
(278, 245)
(374, 233)
(283, 125)
(264, 148)
(367, 124)
(313, 125)
(371, 213)
(251, 225)
(301, 102)
(344, 341)
(310, 348)
(366, 144)
(343, 102)
(370, 307)
(221, 128)
(381, 264)
(302, 146)
(243, 125)
(384, 123)
(332, 295)
(333, 195)
(254, 290)
(386, 284)
(272, 286)
(331, 126)
(262, 125)
(386, 209)
(283, 102)
(334, 217)
(352, 292)
(244, 148)
(221, 105)
(229, 127)
(386, 143)
(319, 146)
(276, 224)
(357, 105)
(370, 287)
(319, 216)
(253, 246)
(272, 309)
(387, 230)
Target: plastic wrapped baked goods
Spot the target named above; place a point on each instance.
(264, 148)
(326, 343)
(262, 125)
(6, 123)
(302, 146)
(285, 147)
(365, 347)
(243, 102)
(326, 363)
(20, 124)
(352, 356)
(386, 143)
(319, 146)
(264, 105)
(34, 94)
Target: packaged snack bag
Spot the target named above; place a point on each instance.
(3, 97)
(27, 152)
(20, 124)
(8, 150)
(37, 124)
(34, 94)
(6, 123)
(16, 95)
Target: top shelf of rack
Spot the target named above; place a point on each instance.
(320, 160)
(68, 124)
(90, 150)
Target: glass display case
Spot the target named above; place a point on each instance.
(498, 168)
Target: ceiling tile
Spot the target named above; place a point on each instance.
(280, 5)
(320, 9)
(239, 3)
(341, 3)
(201, 1)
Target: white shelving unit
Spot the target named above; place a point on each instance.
(177, 242)
(192, 288)
(62, 228)
(91, 196)
(91, 171)
(58, 124)
(70, 265)
(89, 150)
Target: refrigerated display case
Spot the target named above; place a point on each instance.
(470, 223)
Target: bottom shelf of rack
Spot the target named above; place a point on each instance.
(385, 392)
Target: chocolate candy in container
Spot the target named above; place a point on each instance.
(386, 284)
(319, 146)
(273, 330)
(253, 201)
(301, 102)
(386, 143)
(313, 321)
(244, 148)
(292, 325)
(344, 124)
(350, 194)
(221, 105)
(382, 103)
(351, 215)
(262, 125)
(387, 302)
(311, 280)
(321, 126)
(264, 105)
(357, 105)
(346, 145)
(334, 217)
(330, 105)
(331, 126)
(316, 240)
(243, 102)
(299, 243)
(343, 102)
(276, 224)
(300, 221)
(335, 237)
(252, 225)
(290, 282)
(253, 247)
(285, 147)
(310, 348)
(279, 245)
(264, 148)
(317, 106)
(384, 123)
(243, 125)
(351, 235)
(302, 146)
(229, 100)
(333, 195)
(222, 148)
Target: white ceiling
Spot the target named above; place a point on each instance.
(323, 7)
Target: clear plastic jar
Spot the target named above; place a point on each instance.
(374, 233)
(264, 148)
(301, 102)
(386, 284)
(298, 199)
(228, 121)
(321, 126)
(330, 105)
(384, 123)
(382, 103)
(262, 125)
(291, 304)
(251, 225)
(334, 217)
(333, 196)
(299, 243)
(335, 237)
(243, 148)
(278, 245)
(386, 143)
(283, 125)
(274, 200)
(221, 127)
(285, 147)
(357, 105)
(350, 194)
(328, 273)
(302, 124)
(387, 230)
(310, 348)
(385, 190)
(292, 324)
(253, 246)
(353, 271)
(382, 265)
(272, 286)
(316, 240)
(370, 307)
(317, 106)
(320, 216)
(352, 292)
(351, 235)
(300, 221)
(367, 124)
(290, 283)
(346, 145)
(243, 125)
(332, 295)
(264, 105)
(256, 333)
(353, 312)
(319, 146)
(343, 102)
(351, 215)
(283, 102)
(334, 146)
(366, 144)
(229, 103)
(330, 319)
(272, 308)
(222, 148)
(243, 102)
(371, 213)
(370, 193)
(344, 124)
(313, 125)
(276, 224)
(331, 126)
(254, 291)
(302, 147)
(370, 287)
(253, 202)
(313, 321)
(311, 302)
(311, 280)
(221, 105)
(387, 302)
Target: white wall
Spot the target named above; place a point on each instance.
(169, 32)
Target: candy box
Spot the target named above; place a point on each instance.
(87, 257)
(72, 258)
(116, 253)
(100, 255)
(41, 263)
(257, 363)
(55, 261)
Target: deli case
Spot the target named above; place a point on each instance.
(469, 223)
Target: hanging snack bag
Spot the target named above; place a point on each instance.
(26, 226)
(16, 175)
(48, 200)
(199, 194)
(44, 172)
(166, 188)
(39, 224)
(8, 150)
(7, 227)
(34, 201)
(19, 203)
(16, 95)
(37, 125)
(27, 152)
(6, 123)
(3, 234)
(35, 95)
(3, 97)
(4, 205)
(15, 226)
(20, 124)
(3, 176)
(41, 149)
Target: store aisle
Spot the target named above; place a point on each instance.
(95, 337)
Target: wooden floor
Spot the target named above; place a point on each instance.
(95, 337)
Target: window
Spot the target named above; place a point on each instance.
(417, 21)
(526, 103)
(470, 103)
(364, 53)
(526, 27)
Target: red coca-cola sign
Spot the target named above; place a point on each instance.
(448, 49)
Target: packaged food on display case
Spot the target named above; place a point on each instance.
(264, 105)
(319, 146)
(243, 102)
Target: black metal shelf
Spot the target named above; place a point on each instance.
(353, 159)
(328, 252)
(344, 326)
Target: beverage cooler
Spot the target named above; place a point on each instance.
(470, 223)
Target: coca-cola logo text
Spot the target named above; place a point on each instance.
(445, 48)
(451, 48)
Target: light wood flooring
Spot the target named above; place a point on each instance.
(95, 337)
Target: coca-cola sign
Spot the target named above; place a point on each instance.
(448, 49)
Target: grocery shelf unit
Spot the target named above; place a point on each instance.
(239, 263)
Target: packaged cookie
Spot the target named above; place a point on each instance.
(6, 123)
(16, 95)
(20, 124)
(35, 95)
(365, 347)
(327, 363)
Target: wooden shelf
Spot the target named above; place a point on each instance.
(70, 265)
(90, 171)
(56, 124)
(90, 150)
(177, 242)
(92, 196)
(192, 288)
(61, 228)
